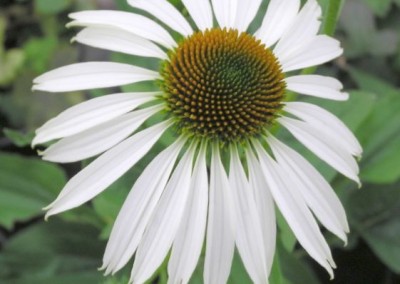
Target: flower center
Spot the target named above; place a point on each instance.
(222, 84)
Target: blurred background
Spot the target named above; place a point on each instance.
(69, 247)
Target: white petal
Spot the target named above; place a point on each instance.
(265, 206)
(138, 207)
(249, 236)
(89, 114)
(98, 139)
(92, 75)
(225, 12)
(164, 223)
(107, 168)
(320, 50)
(220, 229)
(322, 147)
(304, 28)
(129, 22)
(120, 41)
(165, 12)
(326, 123)
(317, 86)
(316, 191)
(245, 14)
(280, 15)
(190, 237)
(295, 211)
(201, 13)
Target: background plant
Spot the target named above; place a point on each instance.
(68, 249)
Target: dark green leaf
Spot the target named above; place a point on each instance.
(294, 269)
(375, 211)
(238, 272)
(53, 252)
(380, 131)
(26, 186)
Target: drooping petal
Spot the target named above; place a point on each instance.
(138, 207)
(225, 12)
(245, 14)
(326, 123)
(249, 236)
(98, 139)
(165, 221)
(92, 75)
(165, 12)
(220, 242)
(304, 28)
(316, 191)
(322, 147)
(107, 168)
(317, 86)
(120, 41)
(265, 206)
(129, 22)
(320, 50)
(189, 240)
(201, 13)
(295, 211)
(89, 114)
(280, 15)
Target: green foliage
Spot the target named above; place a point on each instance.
(54, 252)
(381, 7)
(11, 60)
(381, 144)
(51, 7)
(19, 139)
(26, 186)
(363, 36)
(374, 213)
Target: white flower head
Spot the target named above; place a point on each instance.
(221, 90)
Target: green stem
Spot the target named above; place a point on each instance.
(332, 16)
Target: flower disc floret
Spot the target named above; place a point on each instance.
(223, 85)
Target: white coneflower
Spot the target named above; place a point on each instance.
(221, 90)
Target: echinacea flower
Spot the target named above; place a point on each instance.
(221, 90)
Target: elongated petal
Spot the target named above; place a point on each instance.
(245, 14)
(129, 22)
(98, 139)
(280, 15)
(249, 236)
(160, 234)
(165, 12)
(89, 114)
(120, 41)
(190, 237)
(295, 211)
(201, 13)
(220, 228)
(106, 169)
(92, 75)
(316, 191)
(304, 28)
(327, 123)
(322, 147)
(317, 86)
(138, 208)
(225, 12)
(320, 50)
(265, 206)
